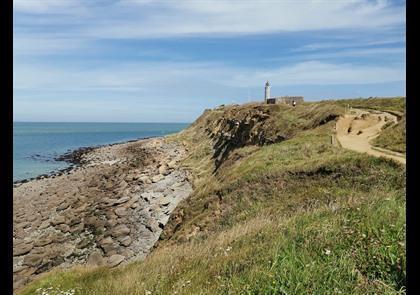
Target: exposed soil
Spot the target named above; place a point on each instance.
(357, 128)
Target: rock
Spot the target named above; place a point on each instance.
(134, 206)
(58, 220)
(43, 240)
(31, 218)
(111, 223)
(83, 243)
(22, 249)
(81, 208)
(163, 201)
(19, 268)
(125, 241)
(115, 259)
(63, 228)
(133, 200)
(63, 206)
(121, 211)
(152, 225)
(45, 224)
(120, 230)
(127, 252)
(157, 178)
(108, 244)
(59, 238)
(172, 164)
(163, 170)
(77, 228)
(74, 220)
(95, 259)
(121, 200)
(32, 260)
(145, 179)
(123, 184)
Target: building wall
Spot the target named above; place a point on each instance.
(284, 99)
(290, 99)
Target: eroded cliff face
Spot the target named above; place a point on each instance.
(240, 127)
(215, 142)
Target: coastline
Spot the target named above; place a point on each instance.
(75, 159)
(108, 208)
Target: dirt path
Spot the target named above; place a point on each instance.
(357, 128)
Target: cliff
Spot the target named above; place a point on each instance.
(275, 208)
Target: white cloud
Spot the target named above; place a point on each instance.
(46, 6)
(183, 79)
(147, 19)
(320, 73)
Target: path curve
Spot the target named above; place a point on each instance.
(357, 128)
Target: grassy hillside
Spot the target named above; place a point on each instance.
(393, 137)
(276, 209)
(395, 104)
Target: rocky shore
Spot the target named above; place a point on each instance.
(108, 209)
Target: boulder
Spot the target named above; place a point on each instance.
(95, 259)
(163, 170)
(22, 249)
(115, 260)
(121, 211)
(33, 260)
(120, 230)
(108, 244)
(125, 241)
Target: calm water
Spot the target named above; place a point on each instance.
(36, 144)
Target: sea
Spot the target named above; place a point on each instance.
(35, 145)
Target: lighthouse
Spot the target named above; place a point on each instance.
(267, 90)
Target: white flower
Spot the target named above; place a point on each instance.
(327, 252)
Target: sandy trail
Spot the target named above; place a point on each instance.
(357, 128)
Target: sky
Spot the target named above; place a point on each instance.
(168, 60)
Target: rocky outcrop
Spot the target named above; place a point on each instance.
(239, 127)
(108, 211)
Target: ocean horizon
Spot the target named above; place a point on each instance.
(36, 144)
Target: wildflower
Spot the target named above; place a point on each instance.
(327, 252)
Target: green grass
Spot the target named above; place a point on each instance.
(393, 137)
(295, 217)
(395, 104)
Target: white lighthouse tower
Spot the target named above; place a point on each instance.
(267, 90)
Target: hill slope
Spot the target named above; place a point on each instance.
(276, 209)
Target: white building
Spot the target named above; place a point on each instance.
(293, 100)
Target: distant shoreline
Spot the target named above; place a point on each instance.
(74, 158)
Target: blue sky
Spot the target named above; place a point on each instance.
(166, 61)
